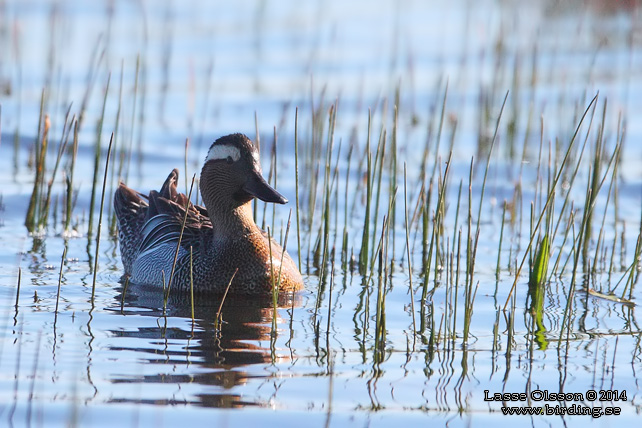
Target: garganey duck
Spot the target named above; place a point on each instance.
(223, 235)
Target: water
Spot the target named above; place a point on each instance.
(209, 69)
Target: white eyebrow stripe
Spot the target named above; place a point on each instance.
(220, 151)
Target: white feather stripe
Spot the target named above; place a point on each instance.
(221, 151)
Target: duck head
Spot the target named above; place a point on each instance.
(231, 176)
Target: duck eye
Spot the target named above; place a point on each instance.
(229, 159)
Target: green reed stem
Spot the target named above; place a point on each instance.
(274, 292)
(328, 184)
(117, 149)
(62, 264)
(344, 245)
(380, 313)
(330, 304)
(122, 299)
(186, 156)
(180, 237)
(165, 293)
(501, 239)
(457, 210)
(410, 287)
(296, 183)
(18, 288)
(321, 286)
(258, 148)
(364, 253)
(469, 223)
(393, 165)
(191, 281)
(70, 178)
(378, 173)
(100, 222)
(276, 173)
(220, 307)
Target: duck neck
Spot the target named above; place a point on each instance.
(233, 223)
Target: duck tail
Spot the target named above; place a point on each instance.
(131, 208)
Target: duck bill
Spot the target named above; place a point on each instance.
(259, 188)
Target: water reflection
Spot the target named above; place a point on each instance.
(219, 357)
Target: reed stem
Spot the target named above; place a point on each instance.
(100, 222)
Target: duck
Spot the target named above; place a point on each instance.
(222, 249)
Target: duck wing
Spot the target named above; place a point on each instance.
(167, 209)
